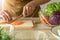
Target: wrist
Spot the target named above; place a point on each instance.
(39, 2)
(34, 3)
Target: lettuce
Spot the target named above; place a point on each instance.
(52, 7)
(3, 35)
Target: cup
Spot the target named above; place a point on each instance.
(55, 32)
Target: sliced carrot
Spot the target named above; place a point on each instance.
(3, 22)
(17, 22)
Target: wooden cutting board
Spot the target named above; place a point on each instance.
(25, 24)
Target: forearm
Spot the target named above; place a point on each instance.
(39, 2)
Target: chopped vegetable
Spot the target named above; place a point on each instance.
(17, 22)
(3, 22)
(55, 18)
(3, 35)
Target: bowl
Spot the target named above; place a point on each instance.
(46, 14)
(55, 33)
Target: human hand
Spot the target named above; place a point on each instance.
(5, 16)
(28, 9)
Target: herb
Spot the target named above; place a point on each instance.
(3, 35)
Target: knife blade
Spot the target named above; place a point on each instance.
(21, 16)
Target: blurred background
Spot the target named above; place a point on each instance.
(0, 4)
(42, 6)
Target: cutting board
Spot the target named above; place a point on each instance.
(26, 24)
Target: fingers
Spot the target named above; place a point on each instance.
(24, 12)
(2, 17)
(8, 15)
(27, 11)
(5, 16)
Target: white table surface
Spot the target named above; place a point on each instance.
(27, 34)
(37, 27)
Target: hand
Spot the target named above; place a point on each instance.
(28, 9)
(5, 16)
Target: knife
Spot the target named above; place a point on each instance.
(21, 16)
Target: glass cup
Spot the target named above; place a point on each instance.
(55, 32)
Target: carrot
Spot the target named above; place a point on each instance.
(3, 22)
(45, 19)
(17, 22)
(42, 20)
